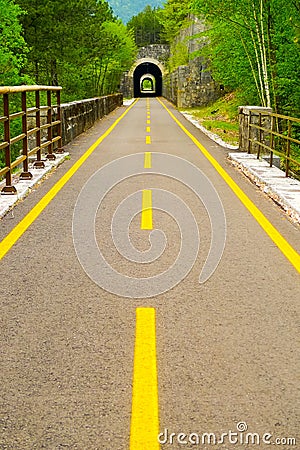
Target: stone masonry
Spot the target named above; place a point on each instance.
(187, 86)
(79, 116)
(191, 85)
(160, 52)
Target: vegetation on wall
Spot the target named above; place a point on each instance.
(253, 48)
(174, 18)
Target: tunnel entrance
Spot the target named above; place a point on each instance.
(147, 80)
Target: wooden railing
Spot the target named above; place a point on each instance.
(276, 134)
(41, 125)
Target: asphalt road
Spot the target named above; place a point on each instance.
(227, 349)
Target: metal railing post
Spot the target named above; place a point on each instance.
(25, 175)
(249, 134)
(272, 141)
(8, 189)
(50, 154)
(288, 149)
(39, 164)
(51, 127)
(259, 136)
(59, 127)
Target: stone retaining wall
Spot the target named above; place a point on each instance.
(247, 132)
(79, 116)
(191, 85)
(161, 52)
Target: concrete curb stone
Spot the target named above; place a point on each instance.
(23, 187)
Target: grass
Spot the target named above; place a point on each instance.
(221, 117)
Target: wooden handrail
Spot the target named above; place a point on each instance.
(25, 88)
(28, 129)
(263, 138)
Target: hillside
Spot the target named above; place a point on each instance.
(125, 9)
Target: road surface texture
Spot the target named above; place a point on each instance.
(227, 350)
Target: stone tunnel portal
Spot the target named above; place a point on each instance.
(150, 71)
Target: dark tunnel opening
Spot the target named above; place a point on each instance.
(144, 69)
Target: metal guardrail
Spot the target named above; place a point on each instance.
(280, 137)
(44, 120)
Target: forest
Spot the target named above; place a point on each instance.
(253, 46)
(79, 45)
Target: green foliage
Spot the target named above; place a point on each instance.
(119, 55)
(13, 51)
(146, 27)
(259, 38)
(78, 44)
(71, 44)
(220, 117)
(174, 17)
(147, 85)
(13, 48)
(179, 55)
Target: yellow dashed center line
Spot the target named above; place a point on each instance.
(144, 415)
(148, 129)
(148, 122)
(148, 160)
(148, 139)
(146, 220)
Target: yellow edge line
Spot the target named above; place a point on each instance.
(146, 220)
(17, 232)
(289, 252)
(148, 160)
(144, 414)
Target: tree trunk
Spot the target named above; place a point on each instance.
(252, 69)
(54, 75)
(259, 32)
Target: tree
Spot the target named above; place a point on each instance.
(117, 55)
(174, 17)
(69, 44)
(146, 27)
(258, 39)
(13, 52)
(13, 49)
(55, 32)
